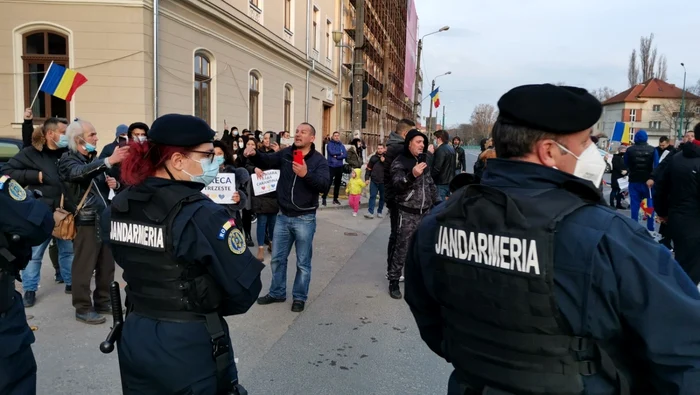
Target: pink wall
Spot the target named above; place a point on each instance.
(411, 50)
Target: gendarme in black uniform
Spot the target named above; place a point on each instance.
(186, 266)
(525, 282)
(24, 222)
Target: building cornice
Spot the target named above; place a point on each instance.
(122, 3)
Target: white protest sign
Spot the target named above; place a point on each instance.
(222, 188)
(665, 154)
(266, 184)
(111, 194)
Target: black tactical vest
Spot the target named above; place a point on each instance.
(159, 285)
(494, 280)
(640, 160)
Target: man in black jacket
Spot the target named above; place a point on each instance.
(297, 193)
(641, 159)
(394, 148)
(36, 168)
(619, 170)
(443, 169)
(461, 165)
(374, 173)
(82, 173)
(676, 202)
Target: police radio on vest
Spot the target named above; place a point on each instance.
(504, 252)
(137, 234)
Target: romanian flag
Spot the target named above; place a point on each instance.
(435, 97)
(621, 133)
(61, 82)
(647, 206)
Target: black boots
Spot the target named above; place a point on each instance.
(394, 290)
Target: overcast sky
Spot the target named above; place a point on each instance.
(495, 45)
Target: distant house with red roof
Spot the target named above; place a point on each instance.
(654, 106)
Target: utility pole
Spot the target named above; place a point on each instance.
(358, 68)
(385, 93)
(416, 96)
(443, 118)
(430, 123)
(681, 128)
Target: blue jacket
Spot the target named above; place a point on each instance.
(296, 195)
(612, 282)
(336, 153)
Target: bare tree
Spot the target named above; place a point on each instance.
(603, 93)
(645, 54)
(467, 133)
(694, 89)
(482, 119)
(652, 62)
(671, 110)
(662, 68)
(633, 70)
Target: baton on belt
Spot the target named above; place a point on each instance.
(115, 333)
(115, 297)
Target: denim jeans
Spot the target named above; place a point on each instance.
(443, 191)
(32, 273)
(265, 222)
(298, 231)
(373, 189)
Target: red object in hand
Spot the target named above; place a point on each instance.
(298, 157)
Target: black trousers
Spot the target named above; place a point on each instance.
(688, 257)
(390, 248)
(615, 197)
(336, 178)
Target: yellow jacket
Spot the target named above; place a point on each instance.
(356, 184)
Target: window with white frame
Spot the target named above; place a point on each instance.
(655, 125)
(329, 39)
(633, 115)
(253, 100)
(656, 107)
(314, 28)
(288, 15)
(632, 130)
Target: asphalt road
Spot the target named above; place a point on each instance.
(352, 338)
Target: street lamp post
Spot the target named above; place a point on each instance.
(681, 128)
(358, 70)
(416, 96)
(432, 88)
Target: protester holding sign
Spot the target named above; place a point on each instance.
(265, 205)
(224, 158)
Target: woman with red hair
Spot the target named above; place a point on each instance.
(185, 262)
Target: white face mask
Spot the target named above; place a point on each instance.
(240, 144)
(590, 165)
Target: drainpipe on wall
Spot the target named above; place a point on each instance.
(156, 7)
(308, 71)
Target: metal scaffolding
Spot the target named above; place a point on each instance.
(384, 61)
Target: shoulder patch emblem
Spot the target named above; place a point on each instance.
(16, 191)
(236, 241)
(225, 227)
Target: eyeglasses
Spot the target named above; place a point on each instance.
(209, 154)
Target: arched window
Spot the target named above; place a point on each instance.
(39, 49)
(202, 87)
(287, 108)
(254, 102)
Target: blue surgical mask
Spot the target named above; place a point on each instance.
(89, 147)
(210, 169)
(62, 141)
(219, 159)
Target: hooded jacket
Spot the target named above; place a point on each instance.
(641, 158)
(26, 165)
(394, 148)
(336, 153)
(356, 184)
(677, 192)
(413, 194)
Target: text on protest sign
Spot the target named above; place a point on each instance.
(222, 188)
(266, 184)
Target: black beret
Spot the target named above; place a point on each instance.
(180, 131)
(550, 108)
